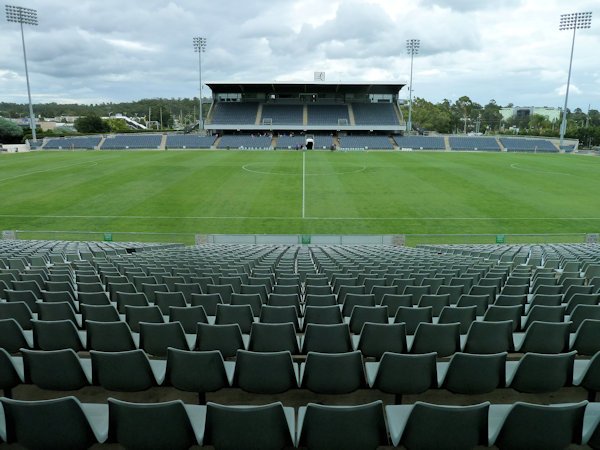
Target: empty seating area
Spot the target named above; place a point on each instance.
(286, 141)
(420, 142)
(234, 113)
(474, 143)
(245, 141)
(528, 145)
(132, 141)
(328, 115)
(365, 142)
(353, 346)
(282, 114)
(189, 141)
(375, 114)
(88, 143)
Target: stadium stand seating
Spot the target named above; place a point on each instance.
(365, 142)
(546, 351)
(88, 143)
(282, 114)
(528, 145)
(328, 114)
(474, 143)
(189, 141)
(235, 113)
(290, 142)
(245, 141)
(375, 114)
(126, 141)
(420, 142)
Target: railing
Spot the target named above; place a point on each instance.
(410, 240)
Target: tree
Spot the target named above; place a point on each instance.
(10, 132)
(117, 125)
(490, 116)
(464, 106)
(91, 123)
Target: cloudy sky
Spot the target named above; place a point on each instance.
(92, 51)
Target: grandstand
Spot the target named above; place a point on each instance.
(189, 141)
(528, 145)
(474, 143)
(366, 339)
(420, 142)
(305, 107)
(132, 141)
(87, 143)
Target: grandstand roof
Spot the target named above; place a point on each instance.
(299, 86)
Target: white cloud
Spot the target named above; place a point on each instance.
(112, 50)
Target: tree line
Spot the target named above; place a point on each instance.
(447, 117)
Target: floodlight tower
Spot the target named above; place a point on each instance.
(25, 16)
(571, 21)
(412, 48)
(200, 47)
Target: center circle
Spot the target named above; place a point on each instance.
(267, 168)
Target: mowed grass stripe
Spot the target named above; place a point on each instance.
(358, 192)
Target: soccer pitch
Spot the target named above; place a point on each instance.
(287, 192)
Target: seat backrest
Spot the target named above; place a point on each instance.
(225, 338)
(539, 373)
(412, 317)
(56, 335)
(264, 372)
(155, 338)
(233, 427)
(475, 374)
(136, 314)
(348, 427)
(325, 315)
(542, 426)
(196, 371)
(109, 336)
(12, 337)
(546, 337)
(188, 317)
(208, 301)
(127, 371)
(441, 338)
(489, 337)
(237, 314)
(57, 423)
(273, 337)
(333, 373)
(463, 426)
(59, 370)
(327, 338)
(378, 338)
(150, 425)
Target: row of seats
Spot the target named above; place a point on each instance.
(145, 328)
(528, 145)
(126, 141)
(66, 143)
(245, 141)
(365, 142)
(189, 141)
(320, 373)
(474, 143)
(68, 423)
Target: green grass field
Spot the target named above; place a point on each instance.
(265, 192)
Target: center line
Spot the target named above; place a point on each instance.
(303, 182)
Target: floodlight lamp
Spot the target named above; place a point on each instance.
(19, 14)
(199, 44)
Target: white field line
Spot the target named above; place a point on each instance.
(303, 183)
(64, 216)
